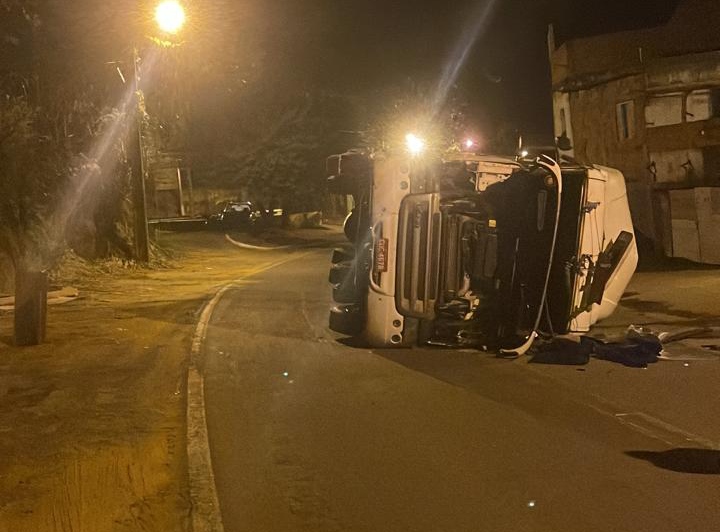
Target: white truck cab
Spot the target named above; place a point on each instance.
(478, 250)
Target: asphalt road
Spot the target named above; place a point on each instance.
(308, 433)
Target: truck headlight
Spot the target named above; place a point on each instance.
(415, 144)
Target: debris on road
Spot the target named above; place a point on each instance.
(639, 347)
(636, 350)
(563, 351)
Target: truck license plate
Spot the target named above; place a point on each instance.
(381, 255)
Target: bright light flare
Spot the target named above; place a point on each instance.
(170, 16)
(415, 144)
(524, 153)
(469, 144)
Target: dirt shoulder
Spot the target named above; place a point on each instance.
(92, 422)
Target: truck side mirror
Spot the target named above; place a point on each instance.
(332, 166)
(563, 142)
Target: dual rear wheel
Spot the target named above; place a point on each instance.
(347, 314)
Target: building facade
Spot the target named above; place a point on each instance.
(648, 102)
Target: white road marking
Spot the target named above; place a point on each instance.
(650, 426)
(659, 429)
(639, 421)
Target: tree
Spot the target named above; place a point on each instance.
(29, 178)
(65, 106)
(412, 108)
(285, 163)
(30, 158)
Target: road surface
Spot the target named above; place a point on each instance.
(309, 433)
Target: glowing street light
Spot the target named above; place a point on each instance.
(415, 144)
(170, 16)
(469, 143)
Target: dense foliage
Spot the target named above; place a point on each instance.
(63, 174)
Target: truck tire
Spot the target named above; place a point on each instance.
(342, 255)
(341, 272)
(345, 293)
(350, 225)
(346, 319)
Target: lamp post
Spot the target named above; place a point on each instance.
(142, 236)
(170, 18)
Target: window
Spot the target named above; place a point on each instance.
(626, 120)
(698, 106)
(664, 110)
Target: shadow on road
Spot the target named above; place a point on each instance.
(683, 460)
(481, 373)
(353, 342)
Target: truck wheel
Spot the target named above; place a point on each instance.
(341, 272)
(346, 319)
(345, 292)
(342, 255)
(350, 225)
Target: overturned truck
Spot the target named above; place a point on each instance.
(477, 250)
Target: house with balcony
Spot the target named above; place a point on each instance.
(647, 101)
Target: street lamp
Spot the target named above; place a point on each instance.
(170, 18)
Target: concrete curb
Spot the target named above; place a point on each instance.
(206, 516)
(256, 248)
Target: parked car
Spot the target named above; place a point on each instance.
(234, 215)
(244, 216)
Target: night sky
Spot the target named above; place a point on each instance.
(363, 46)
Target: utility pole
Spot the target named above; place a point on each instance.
(142, 237)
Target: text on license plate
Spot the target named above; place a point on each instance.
(381, 246)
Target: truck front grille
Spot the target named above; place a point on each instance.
(418, 256)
